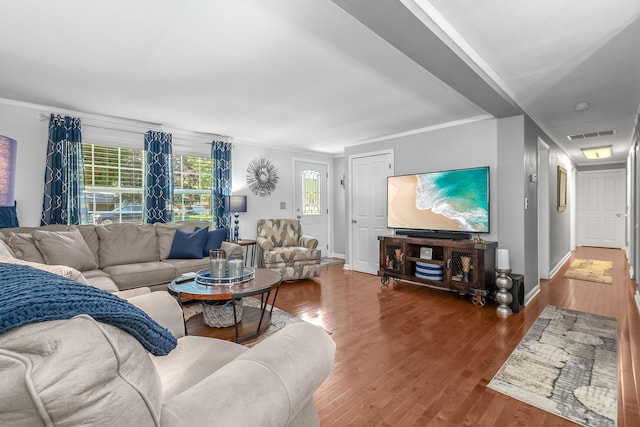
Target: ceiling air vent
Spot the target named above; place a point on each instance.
(591, 134)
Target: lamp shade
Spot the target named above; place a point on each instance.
(8, 149)
(234, 204)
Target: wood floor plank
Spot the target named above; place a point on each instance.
(415, 356)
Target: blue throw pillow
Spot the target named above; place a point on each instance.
(214, 240)
(188, 245)
(8, 217)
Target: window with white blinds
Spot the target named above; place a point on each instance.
(114, 185)
(192, 180)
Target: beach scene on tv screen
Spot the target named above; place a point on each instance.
(452, 200)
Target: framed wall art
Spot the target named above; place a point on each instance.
(562, 189)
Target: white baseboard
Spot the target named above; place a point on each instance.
(335, 255)
(531, 294)
(559, 265)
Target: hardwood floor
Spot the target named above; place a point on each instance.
(416, 356)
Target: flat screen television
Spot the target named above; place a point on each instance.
(447, 201)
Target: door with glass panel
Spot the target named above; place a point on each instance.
(311, 206)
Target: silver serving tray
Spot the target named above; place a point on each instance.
(203, 277)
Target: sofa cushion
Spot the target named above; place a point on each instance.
(100, 280)
(90, 236)
(129, 276)
(127, 244)
(60, 270)
(214, 240)
(24, 247)
(5, 250)
(188, 265)
(192, 360)
(65, 247)
(165, 232)
(49, 379)
(188, 245)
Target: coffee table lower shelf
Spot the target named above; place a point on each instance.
(247, 327)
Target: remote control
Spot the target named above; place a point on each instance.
(186, 277)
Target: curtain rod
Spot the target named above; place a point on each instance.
(179, 133)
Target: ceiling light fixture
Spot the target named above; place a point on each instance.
(582, 106)
(597, 152)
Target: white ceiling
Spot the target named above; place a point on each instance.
(307, 75)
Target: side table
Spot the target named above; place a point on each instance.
(249, 245)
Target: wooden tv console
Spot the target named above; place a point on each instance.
(400, 258)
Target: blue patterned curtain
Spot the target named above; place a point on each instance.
(158, 184)
(64, 201)
(221, 159)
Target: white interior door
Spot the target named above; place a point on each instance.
(310, 201)
(368, 208)
(601, 208)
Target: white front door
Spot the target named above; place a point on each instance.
(310, 201)
(368, 191)
(601, 209)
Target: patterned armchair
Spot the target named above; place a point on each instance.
(285, 249)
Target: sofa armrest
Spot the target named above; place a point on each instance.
(264, 243)
(232, 248)
(164, 309)
(267, 385)
(308, 242)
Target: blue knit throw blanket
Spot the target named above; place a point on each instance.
(29, 295)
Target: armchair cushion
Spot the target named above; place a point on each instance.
(290, 255)
(282, 232)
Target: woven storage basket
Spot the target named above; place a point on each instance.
(219, 314)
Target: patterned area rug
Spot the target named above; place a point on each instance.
(567, 364)
(591, 270)
(279, 318)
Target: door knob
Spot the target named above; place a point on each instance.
(618, 215)
(298, 217)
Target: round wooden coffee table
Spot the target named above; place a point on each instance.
(254, 320)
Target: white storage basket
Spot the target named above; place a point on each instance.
(219, 314)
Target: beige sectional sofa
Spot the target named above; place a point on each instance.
(81, 372)
(114, 257)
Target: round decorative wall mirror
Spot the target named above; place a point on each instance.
(262, 177)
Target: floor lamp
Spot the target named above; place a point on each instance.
(235, 205)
